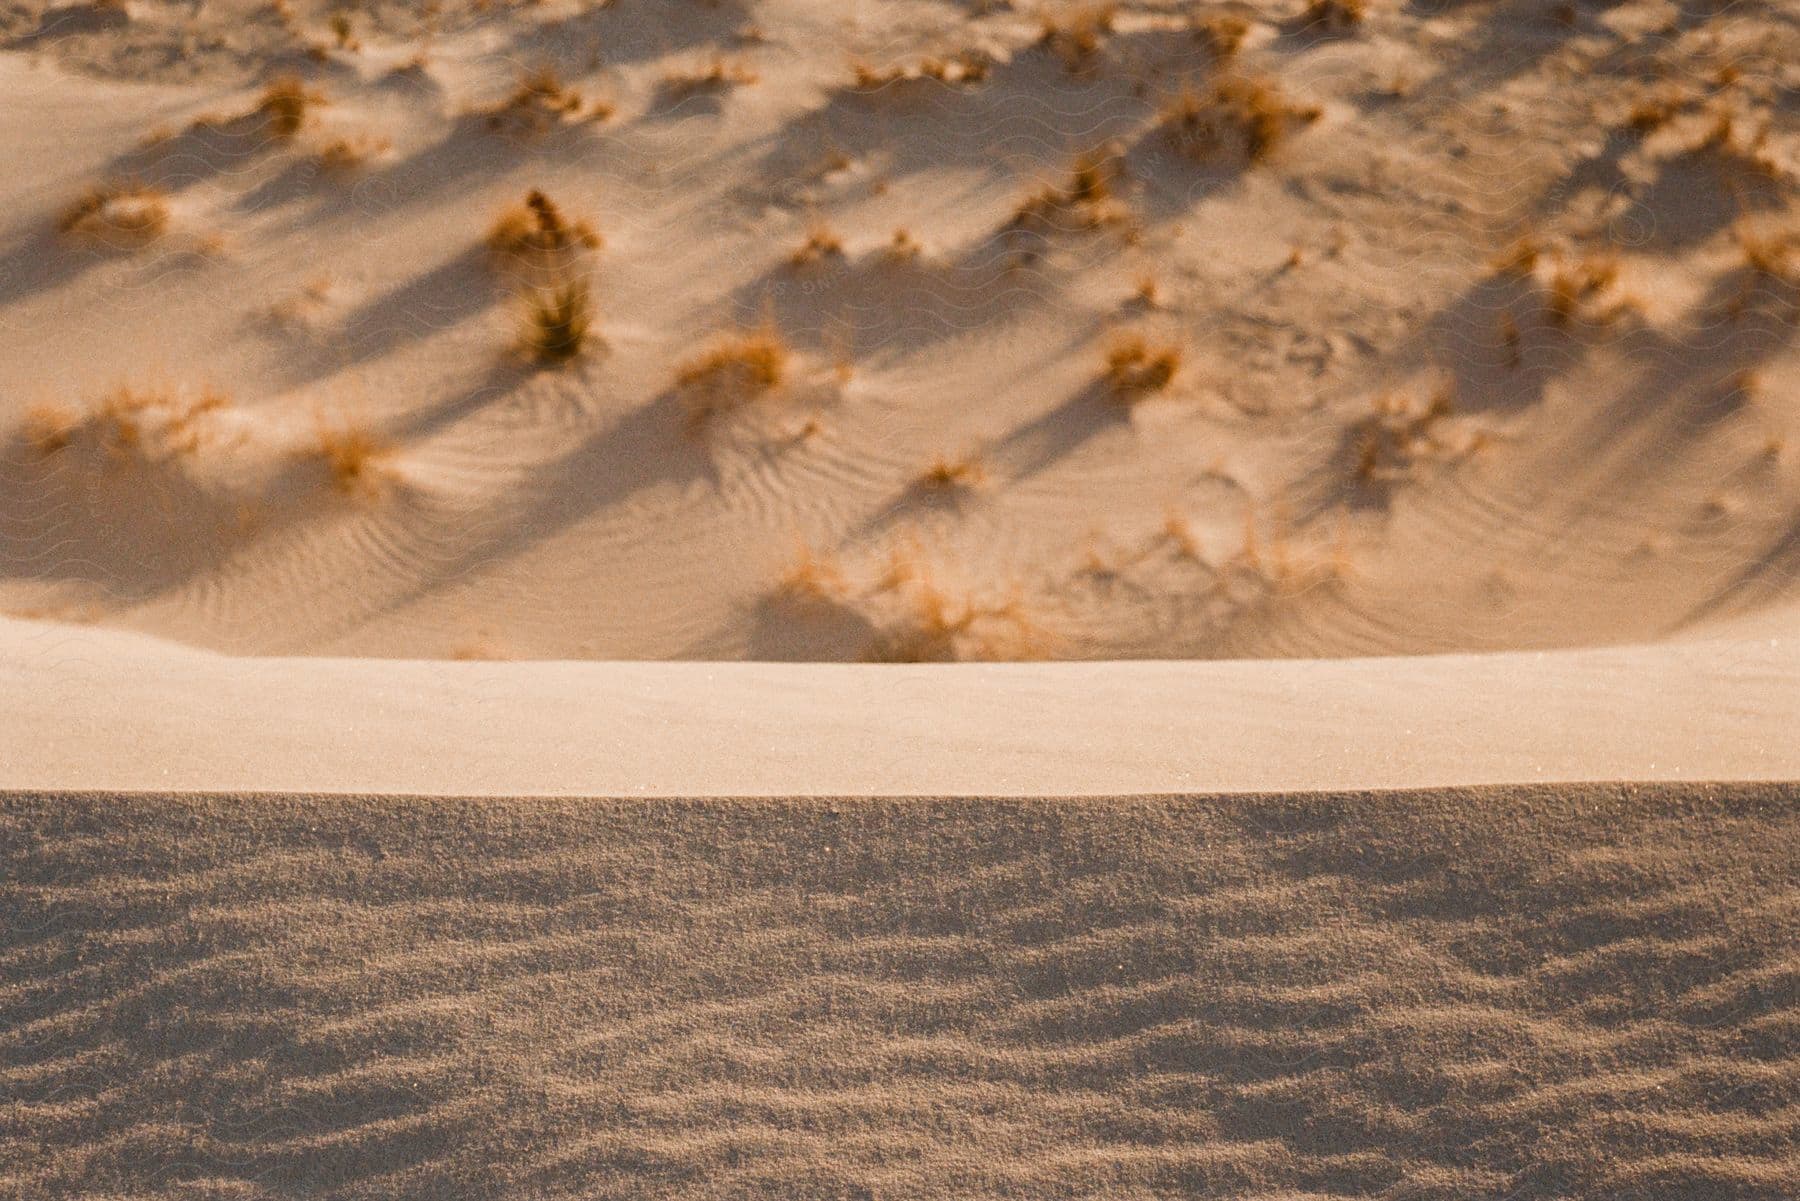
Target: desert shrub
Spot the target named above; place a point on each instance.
(1237, 117)
(734, 372)
(1136, 369)
(122, 214)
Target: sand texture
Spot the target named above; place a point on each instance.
(913, 330)
(1424, 373)
(1371, 427)
(1569, 993)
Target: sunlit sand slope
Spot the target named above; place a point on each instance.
(1076, 330)
(1500, 994)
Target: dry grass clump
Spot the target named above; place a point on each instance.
(717, 74)
(1087, 201)
(904, 246)
(736, 371)
(1078, 34)
(1237, 117)
(1222, 34)
(905, 564)
(285, 105)
(916, 619)
(351, 152)
(1520, 258)
(932, 625)
(1136, 369)
(1399, 433)
(1576, 289)
(1651, 112)
(123, 214)
(535, 238)
(968, 67)
(1334, 16)
(559, 320)
(1581, 288)
(866, 78)
(140, 424)
(813, 579)
(547, 252)
(955, 473)
(541, 102)
(359, 461)
(820, 244)
(1095, 176)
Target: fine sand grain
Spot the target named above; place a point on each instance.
(1542, 993)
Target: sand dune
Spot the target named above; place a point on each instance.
(1552, 993)
(1328, 334)
(1480, 325)
(670, 399)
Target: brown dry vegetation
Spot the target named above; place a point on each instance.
(357, 458)
(966, 68)
(130, 423)
(1086, 201)
(286, 104)
(950, 473)
(1646, 155)
(716, 74)
(1136, 369)
(820, 244)
(122, 214)
(812, 579)
(1237, 117)
(926, 622)
(1401, 432)
(736, 371)
(903, 247)
(541, 102)
(1334, 16)
(537, 239)
(1222, 34)
(1077, 33)
(1520, 258)
(559, 319)
(1582, 289)
(351, 152)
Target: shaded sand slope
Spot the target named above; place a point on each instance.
(1525, 993)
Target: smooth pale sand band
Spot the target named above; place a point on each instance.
(93, 709)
